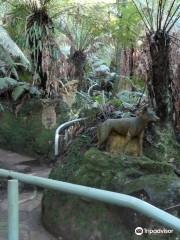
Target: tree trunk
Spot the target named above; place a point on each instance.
(131, 62)
(176, 101)
(118, 57)
(160, 80)
(42, 74)
(39, 69)
(79, 61)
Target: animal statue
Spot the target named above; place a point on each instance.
(128, 127)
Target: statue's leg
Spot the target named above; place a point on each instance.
(141, 137)
(128, 138)
(102, 133)
(98, 137)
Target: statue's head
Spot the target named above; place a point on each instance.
(149, 115)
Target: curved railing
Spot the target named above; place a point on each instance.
(91, 88)
(61, 128)
(119, 199)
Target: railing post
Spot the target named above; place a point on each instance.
(13, 210)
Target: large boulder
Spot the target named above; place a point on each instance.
(70, 217)
(31, 132)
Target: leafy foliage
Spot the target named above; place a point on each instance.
(7, 64)
(17, 88)
(36, 30)
(41, 27)
(158, 15)
(83, 25)
(7, 83)
(84, 29)
(127, 28)
(8, 51)
(11, 47)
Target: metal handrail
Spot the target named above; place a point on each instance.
(83, 191)
(89, 90)
(61, 128)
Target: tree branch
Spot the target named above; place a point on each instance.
(175, 206)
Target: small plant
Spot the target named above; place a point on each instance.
(117, 103)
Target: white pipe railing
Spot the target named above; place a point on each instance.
(61, 128)
(91, 88)
(118, 199)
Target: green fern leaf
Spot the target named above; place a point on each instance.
(7, 83)
(11, 47)
(19, 91)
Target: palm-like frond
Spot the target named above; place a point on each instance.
(83, 25)
(78, 33)
(7, 83)
(11, 47)
(7, 64)
(158, 15)
(54, 7)
(127, 28)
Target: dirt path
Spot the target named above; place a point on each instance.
(30, 199)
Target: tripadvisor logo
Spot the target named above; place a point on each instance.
(140, 231)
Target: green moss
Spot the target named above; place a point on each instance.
(82, 219)
(148, 166)
(165, 146)
(25, 133)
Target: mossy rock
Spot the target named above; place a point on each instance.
(165, 146)
(26, 134)
(72, 217)
(79, 219)
(162, 190)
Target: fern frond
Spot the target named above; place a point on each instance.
(11, 47)
(7, 65)
(7, 83)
